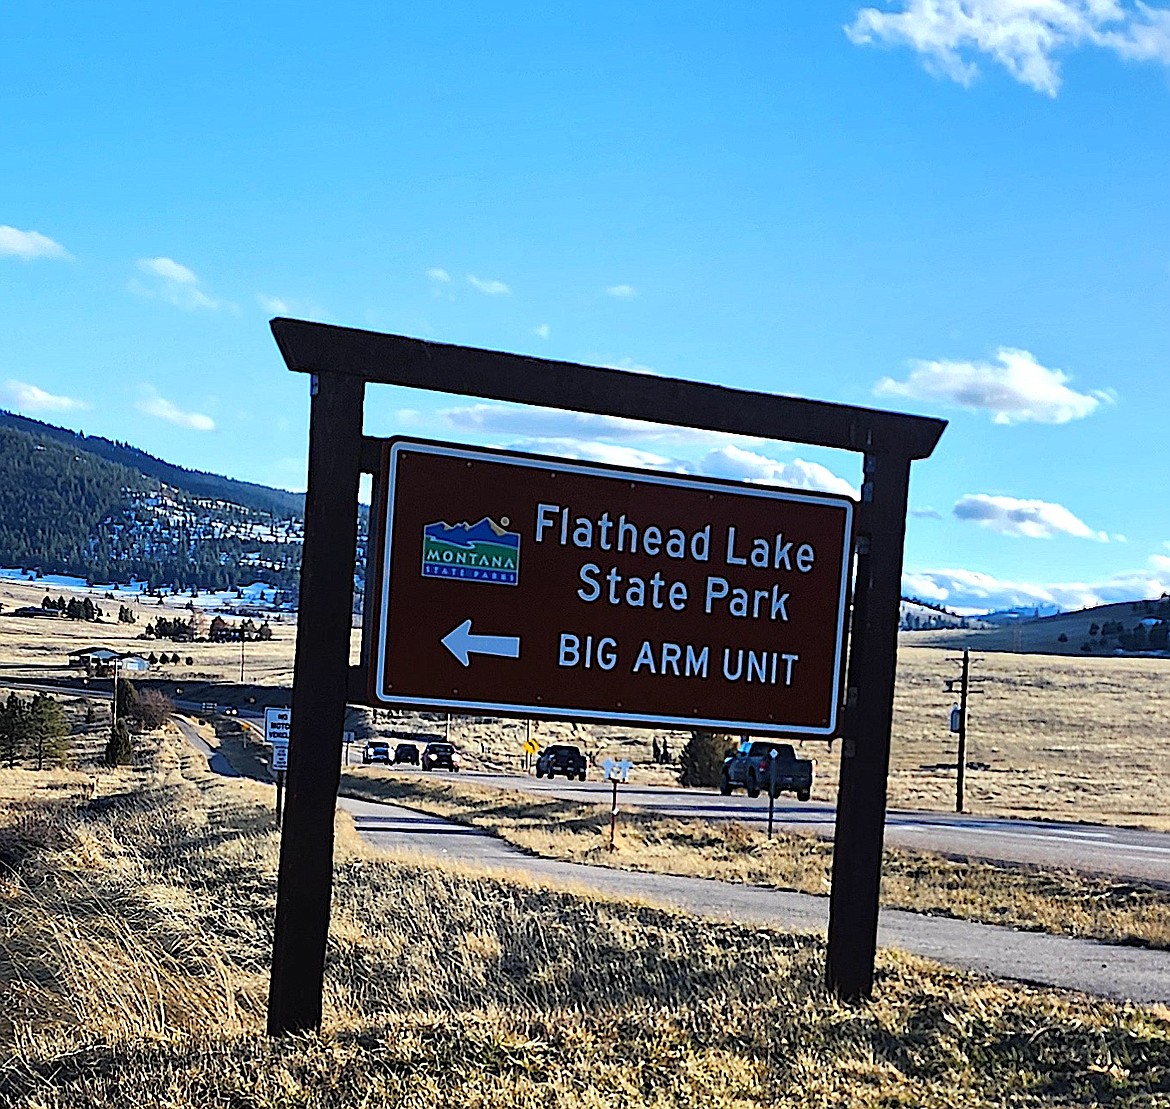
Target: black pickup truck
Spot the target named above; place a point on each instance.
(753, 766)
(562, 759)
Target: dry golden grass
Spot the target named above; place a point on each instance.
(133, 947)
(40, 648)
(1062, 738)
(1060, 902)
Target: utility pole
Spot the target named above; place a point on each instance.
(965, 686)
(114, 711)
(959, 722)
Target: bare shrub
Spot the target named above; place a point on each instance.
(154, 709)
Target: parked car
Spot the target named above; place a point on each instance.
(753, 766)
(561, 759)
(376, 751)
(406, 752)
(440, 756)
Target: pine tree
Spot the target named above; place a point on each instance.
(46, 730)
(119, 749)
(129, 707)
(12, 729)
(701, 761)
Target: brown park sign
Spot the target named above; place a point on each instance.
(530, 586)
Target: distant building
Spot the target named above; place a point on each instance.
(101, 661)
(91, 656)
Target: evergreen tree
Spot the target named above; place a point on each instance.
(46, 730)
(12, 729)
(119, 749)
(701, 761)
(129, 703)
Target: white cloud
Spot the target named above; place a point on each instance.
(542, 332)
(596, 450)
(273, 305)
(1027, 519)
(173, 283)
(729, 463)
(154, 405)
(970, 591)
(926, 513)
(623, 292)
(168, 269)
(739, 465)
(27, 245)
(491, 288)
(23, 397)
(436, 273)
(1015, 389)
(1026, 37)
(524, 421)
(583, 435)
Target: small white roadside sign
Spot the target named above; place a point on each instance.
(279, 757)
(277, 726)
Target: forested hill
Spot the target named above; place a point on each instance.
(67, 509)
(276, 502)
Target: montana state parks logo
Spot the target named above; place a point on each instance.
(485, 551)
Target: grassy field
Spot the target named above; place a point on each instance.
(135, 927)
(1070, 738)
(1060, 902)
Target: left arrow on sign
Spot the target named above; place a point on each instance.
(462, 644)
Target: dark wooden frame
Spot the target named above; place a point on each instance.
(342, 361)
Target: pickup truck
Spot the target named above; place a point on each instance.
(562, 759)
(750, 766)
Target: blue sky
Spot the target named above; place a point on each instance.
(953, 209)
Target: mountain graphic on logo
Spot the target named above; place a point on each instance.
(467, 535)
(483, 552)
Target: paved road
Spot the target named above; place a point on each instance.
(1120, 973)
(1119, 852)
(215, 760)
(1122, 853)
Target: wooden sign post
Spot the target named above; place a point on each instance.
(341, 362)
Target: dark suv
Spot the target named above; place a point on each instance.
(561, 759)
(376, 751)
(438, 756)
(406, 752)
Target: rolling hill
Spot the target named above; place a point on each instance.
(104, 511)
(1125, 627)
